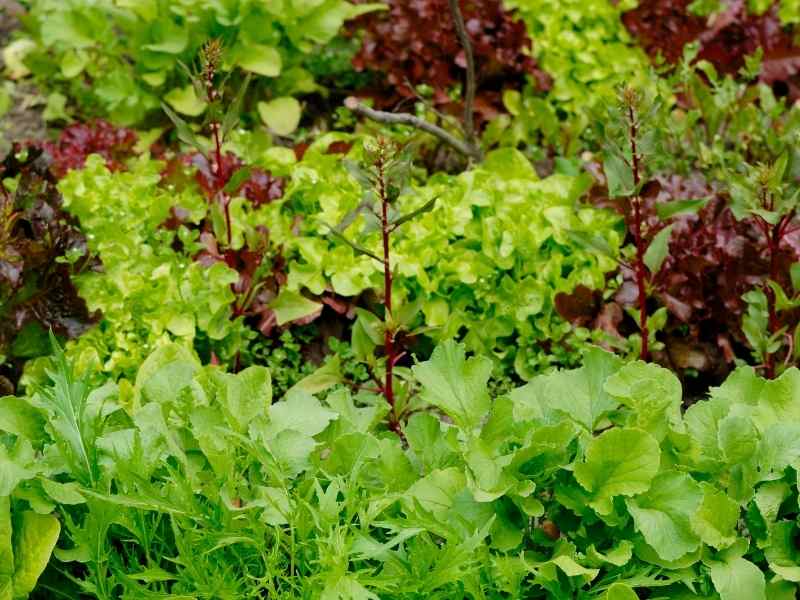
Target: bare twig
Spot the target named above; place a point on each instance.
(469, 96)
(381, 116)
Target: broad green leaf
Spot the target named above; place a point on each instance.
(578, 394)
(619, 462)
(37, 537)
(618, 556)
(716, 519)
(572, 569)
(663, 514)
(620, 591)
(738, 579)
(17, 416)
(324, 378)
(769, 497)
(619, 176)
(172, 38)
(653, 394)
(63, 493)
(164, 373)
(185, 101)
(437, 491)
(260, 59)
(658, 250)
(782, 553)
(455, 384)
(17, 464)
(292, 306)
(246, 395)
(301, 412)
(281, 115)
(6, 548)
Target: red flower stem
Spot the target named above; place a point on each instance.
(388, 335)
(641, 268)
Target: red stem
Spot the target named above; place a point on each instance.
(641, 268)
(773, 243)
(388, 336)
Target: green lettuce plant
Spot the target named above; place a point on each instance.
(484, 265)
(119, 59)
(587, 51)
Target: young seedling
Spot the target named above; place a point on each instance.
(763, 196)
(384, 177)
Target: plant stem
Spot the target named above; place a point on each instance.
(388, 335)
(641, 268)
(469, 96)
(774, 235)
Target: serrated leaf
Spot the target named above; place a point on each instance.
(455, 384)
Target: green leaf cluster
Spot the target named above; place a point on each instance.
(484, 264)
(589, 483)
(120, 58)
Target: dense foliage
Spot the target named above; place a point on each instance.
(120, 59)
(587, 483)
(453, 299)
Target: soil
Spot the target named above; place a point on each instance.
(24, 120)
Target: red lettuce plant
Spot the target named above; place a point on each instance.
(415, 43)
(77, 141)
(726, 38)
(40, 248)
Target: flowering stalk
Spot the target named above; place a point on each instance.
(640, 268)
(389, 347)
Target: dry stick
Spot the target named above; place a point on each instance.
(389, 118)
(469, 98)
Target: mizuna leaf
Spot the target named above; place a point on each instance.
(658, 250)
